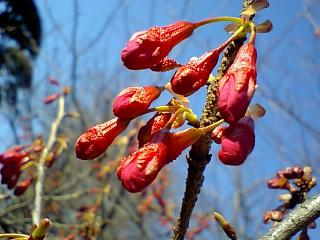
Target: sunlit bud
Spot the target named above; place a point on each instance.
(307, 172)
(237, 86)
(134, 101)
(154, 125)
(97, 139)
(237, 142)
(40, 231)
(275, 215)
(22, 187)
(217, 134)
(139, 169)
(165, 64)
(147, 48)
(51, 98)
(194, 75)
(286, 197)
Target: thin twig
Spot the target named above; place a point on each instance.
(298, 219)
(36, 214)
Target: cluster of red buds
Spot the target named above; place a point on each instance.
(158, 145)
(15, 161)
(298, 182)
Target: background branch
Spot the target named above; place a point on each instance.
(299, 218)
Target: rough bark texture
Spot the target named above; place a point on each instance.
(199, 155)
(298, 219)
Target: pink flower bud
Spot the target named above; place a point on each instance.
(237, 86)
(194, 75)
(22, 187)
(146, 48)
(134, 101)
(237, 142)
(139, 169)
(97, 139)
(154, 125)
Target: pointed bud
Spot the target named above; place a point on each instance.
(147, 48)
(139, 169)
(165, 65)
(97, 139)
(22, 187)
(279, 183)
(51, 98)
(134, 101)
(154, 125)
(237, 142)
(194, 75)
(237, 86)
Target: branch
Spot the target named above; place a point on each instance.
(199, 155)
(36, 214)
(298, 219)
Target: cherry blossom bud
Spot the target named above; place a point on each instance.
(165, 64)
(154, 125)
(97, 139)
(194, 75)
(139, 169)
(237, 142)
(237, 86)
(22, 187)
(147, 48)
(134, 101)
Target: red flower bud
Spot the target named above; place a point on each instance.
(97, 139)
(195, 73)
(154, 125)
(237, 86)
(146, 48)
(165, 64)
(134, 101)
(13, 155)
(22, 187)
(279, 183)
(139, 169)
(237, 142)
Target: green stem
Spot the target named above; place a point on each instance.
(14, 235)
(253, 33)
(212, 126)
(232, 38)
(236, 20)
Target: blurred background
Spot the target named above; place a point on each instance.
(78, 43)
